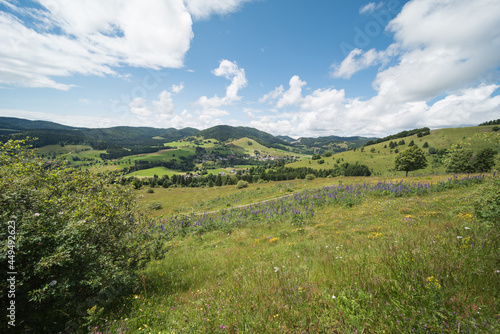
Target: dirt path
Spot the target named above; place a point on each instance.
(245, 205)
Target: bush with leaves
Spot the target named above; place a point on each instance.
(487, 205)
(241, 184)
(78, 239)
(464, 160)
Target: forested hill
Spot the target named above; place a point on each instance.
(13, 123)
(226, 132)
(50, 133)
(321, 141)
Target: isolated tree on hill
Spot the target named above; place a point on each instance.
(410, 159)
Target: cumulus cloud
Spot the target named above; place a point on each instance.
(442, 48)
(329, 111)
(272, 95)
(94, 37)
(201, 9)
(230, 71)
(177, 88)
(290, 97)
(357, 60)
(163, 106)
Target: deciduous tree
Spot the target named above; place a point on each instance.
(410, 159)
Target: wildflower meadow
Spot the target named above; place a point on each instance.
(387, 256)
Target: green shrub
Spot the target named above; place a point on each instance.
(487, 204)
(310, 177)
(241, 184)
(78, 239)
(155, 206)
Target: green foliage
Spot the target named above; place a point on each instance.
(463, 160)
(242, 184)
(310, 177)
(487, 205)
(422, 132)
(492, 122)
(410, 159)
(316, 157)
(78, 240)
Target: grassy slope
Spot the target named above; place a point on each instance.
(206, 143)
(199, 200)
(245, 148)
(150, 172)
(384, 265)
(382, 160)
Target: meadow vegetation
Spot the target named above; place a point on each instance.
(371, 256)
(269, 249)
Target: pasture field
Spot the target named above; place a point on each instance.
(381, 160)
(248, 146)
(162, 155)
(199, 200)
(206, 143)
(363, 255)
(150, 172)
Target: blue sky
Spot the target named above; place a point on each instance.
(288, 67)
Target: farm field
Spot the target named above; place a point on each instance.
(249, 146)
(160, 171)
(366, 255)
(380, 159)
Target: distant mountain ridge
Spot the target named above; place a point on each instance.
(15, 123)
(50, 133)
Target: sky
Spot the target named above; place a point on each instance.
(288, 67)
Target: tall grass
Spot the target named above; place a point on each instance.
(374, 258)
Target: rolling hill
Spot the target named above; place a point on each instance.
(379, 157)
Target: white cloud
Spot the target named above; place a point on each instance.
(201, 9)
(94, 37)
(358, 60)
(163, 106)
(177, 88)
(272, 95)
(329, 111)
(370, 7)
(441, 48)
(293, 96)
(230, 71)
(444, 45)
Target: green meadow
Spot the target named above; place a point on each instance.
(249, 146)
(375, 259)
(380, 157)
(159, 171)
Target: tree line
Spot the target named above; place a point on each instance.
(419, 132)
(252, 175)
